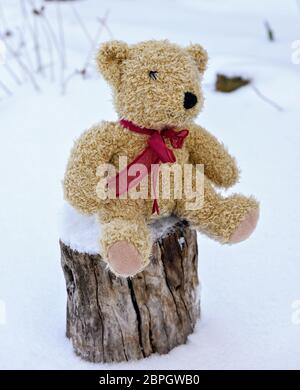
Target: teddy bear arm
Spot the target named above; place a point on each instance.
(219, 166)
(93, 148)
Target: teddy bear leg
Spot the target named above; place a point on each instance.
(227, 219)
(126, 245)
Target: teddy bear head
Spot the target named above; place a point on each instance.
(156, 84)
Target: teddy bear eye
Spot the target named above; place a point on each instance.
(153, 74)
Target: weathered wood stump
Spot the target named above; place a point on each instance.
(111, 319)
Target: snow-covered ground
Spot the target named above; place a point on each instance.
(250, 292)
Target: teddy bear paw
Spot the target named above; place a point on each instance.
(124, 259)
(246, 227)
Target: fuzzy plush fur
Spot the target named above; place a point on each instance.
(154, 104)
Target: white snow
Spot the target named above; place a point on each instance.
(83, 232)
(249, 291)
(80, 232)
(181, 242)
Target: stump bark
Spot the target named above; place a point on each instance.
(111, 319)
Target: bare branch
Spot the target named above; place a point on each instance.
(23, 66)
(68, 79)
(13, 74)
(38, 44)
(5, 88)
(23, 47)
(3, 18)
(54, 38)
(50, 51)
(266, 99)
(61, 34)
(96, 40)
(34, 35)
(270, 32)
(103, 21)
(81, 24)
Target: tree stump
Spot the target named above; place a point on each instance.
(112, 319)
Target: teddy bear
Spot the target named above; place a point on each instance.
(157, 94)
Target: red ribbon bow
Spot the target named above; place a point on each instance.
(154, 154)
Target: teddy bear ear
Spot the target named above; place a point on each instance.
(109, 59)
(199, 54)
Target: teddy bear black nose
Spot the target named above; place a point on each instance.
(190, 100)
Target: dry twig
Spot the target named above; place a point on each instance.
(266, 99)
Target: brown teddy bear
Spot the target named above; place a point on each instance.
(157, 94)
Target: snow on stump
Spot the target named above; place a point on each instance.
(112, 319)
